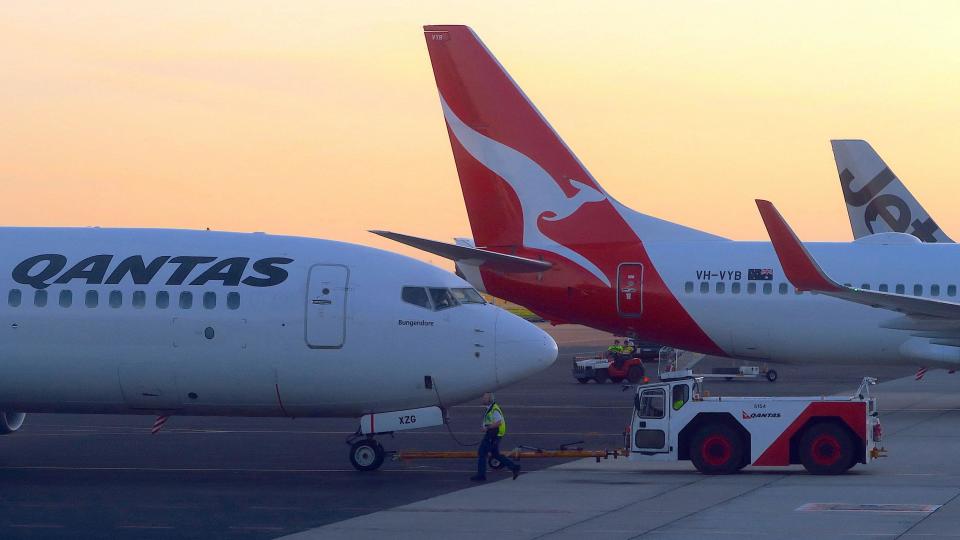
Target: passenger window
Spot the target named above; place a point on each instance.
(900, 289)
(720, 287)
(186, 300)
(66, 298)
(883, 287)
(209, 300)
(468, 296)
(233, 300)
(704, 287)
(14, 297)
(442, 298)
(918, 290)
(688, 287)
(416, 296)
(751, 288)
(951, 290)
(681, 394)
(650, 403)
(735, 287)
(139, 299)
(934, 290)
(91, 299)
(40, 298)
(767, 288)
(163, 299)
(116, 299)
(782, 288)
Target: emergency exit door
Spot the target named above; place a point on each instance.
(327, 306)
(630, 289)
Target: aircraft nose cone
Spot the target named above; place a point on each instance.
(522, 348)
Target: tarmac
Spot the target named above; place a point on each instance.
(913, 493)
(68, 476)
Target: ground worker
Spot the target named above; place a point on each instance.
(494, 428)
(615, 353)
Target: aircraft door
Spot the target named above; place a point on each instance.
(651, 426)
(630, 289)
(327, 306)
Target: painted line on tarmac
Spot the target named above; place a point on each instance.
(215, 470)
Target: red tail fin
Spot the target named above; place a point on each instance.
(519, 179)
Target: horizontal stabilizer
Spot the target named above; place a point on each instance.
(470, 255)
(806, 275)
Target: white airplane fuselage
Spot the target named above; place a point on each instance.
(803, 327)
(210, 323)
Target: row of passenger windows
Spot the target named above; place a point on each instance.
(438, 298)
(138, 299)
(720, 287)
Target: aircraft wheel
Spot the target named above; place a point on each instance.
(366, 455)
(635, 374)
(600, 376)
(771, 375)
(582, 380)
(826, 448)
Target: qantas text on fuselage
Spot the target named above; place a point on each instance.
(41, 271)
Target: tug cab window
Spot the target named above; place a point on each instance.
(650, 403)
(442, 299)
(681, 395)
(416, 296)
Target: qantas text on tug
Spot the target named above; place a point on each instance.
(173, 322)
(579, 256)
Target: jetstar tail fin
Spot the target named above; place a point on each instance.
(877, 201)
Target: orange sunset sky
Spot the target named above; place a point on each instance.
(322, 119)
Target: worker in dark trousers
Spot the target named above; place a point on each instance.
(494, 428)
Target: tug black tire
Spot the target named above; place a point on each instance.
(826, 448)
(717, 449)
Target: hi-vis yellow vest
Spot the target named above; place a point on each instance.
(488, 419)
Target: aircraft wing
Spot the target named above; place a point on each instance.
(805, 274)
(470, 255)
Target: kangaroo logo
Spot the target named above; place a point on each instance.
(539, 194)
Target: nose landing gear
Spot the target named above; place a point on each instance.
(367, 454)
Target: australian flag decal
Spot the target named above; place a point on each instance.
(760, 274)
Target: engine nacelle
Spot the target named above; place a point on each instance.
(11, 421)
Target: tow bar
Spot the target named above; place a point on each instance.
(520, 452)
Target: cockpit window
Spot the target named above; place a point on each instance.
(416, 296)
(468, 296)
(442, 298)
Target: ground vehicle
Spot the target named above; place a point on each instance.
(674, 420)
(602, 366)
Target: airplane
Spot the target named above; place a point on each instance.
(876, 199)
(179, 322)
(549, 237)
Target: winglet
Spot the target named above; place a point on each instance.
(801, 269)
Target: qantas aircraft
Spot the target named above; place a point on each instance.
(175, 322)
(549, 237)
(877, 201)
